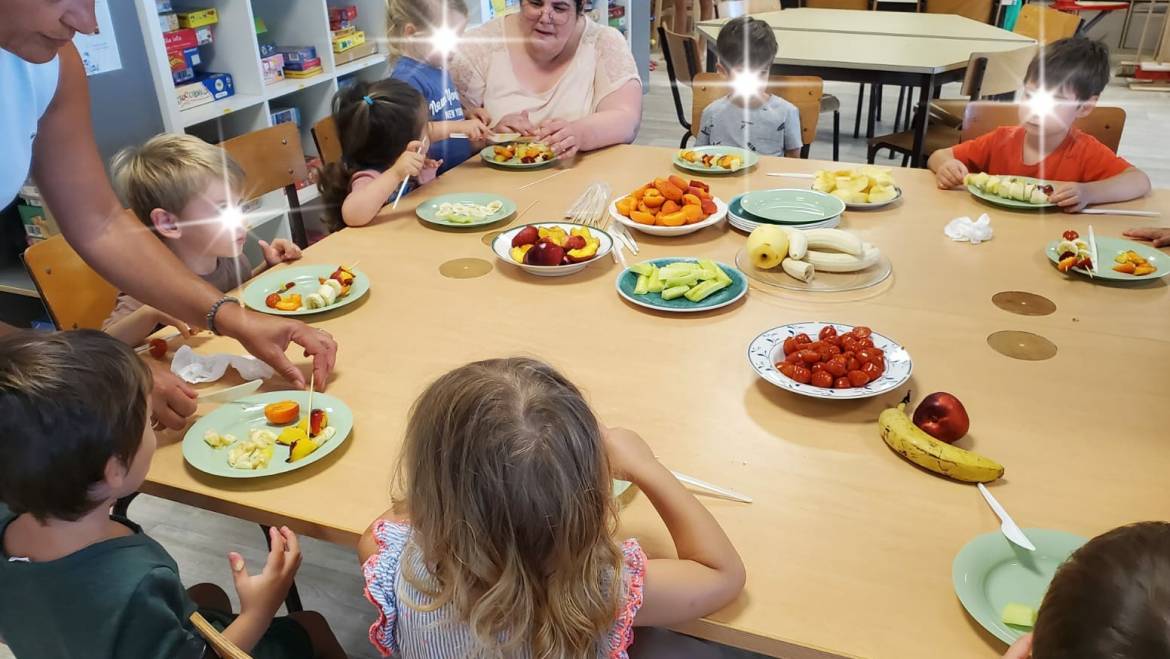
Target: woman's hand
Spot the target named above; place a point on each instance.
(279, 251)
(516, 123)
(171, 399)
(1159, 237)
(561, 136)
(267, 337)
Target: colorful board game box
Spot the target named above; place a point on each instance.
(350, 41)
(272, 68)
(206, 87)
(356, 53)
(297, 53)
(304, 65)
(168, 21)
(198, 17)
(300, 75)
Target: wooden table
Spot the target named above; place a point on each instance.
(895, 51)
(848, 547)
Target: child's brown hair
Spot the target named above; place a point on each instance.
(1079, 63)
(1111, 599)
(70, 401)
(508, 488)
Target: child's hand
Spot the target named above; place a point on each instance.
(482, 115)
(430, 171)
(1160, 237)
(1021, 649)
(516, 123)
(279, 251)
(951, 174)
(411, 162)
(628, 453)
(1071, 197)
(264, 592)
(474, 129)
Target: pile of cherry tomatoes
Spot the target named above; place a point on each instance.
(833, 361)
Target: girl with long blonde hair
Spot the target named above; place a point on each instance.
(502, 545)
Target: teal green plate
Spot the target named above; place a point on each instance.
(1010, 203)
(627, 280)
(748, 159)
(488, 153)
(429, 209)
(990, 572)
(306, 282)
(736, 210)
(1108, 248)
(241, 416)
(792, 205)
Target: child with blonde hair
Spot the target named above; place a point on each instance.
(503, 541)
(423, 34)
(188, 192)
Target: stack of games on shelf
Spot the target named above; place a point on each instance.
(349, 43)
(300, 61)
(183, 33)
(271, 62)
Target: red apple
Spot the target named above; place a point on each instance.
(943, 417)
(526, 236)
(545, 253)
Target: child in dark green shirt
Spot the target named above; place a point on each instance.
(77, 582)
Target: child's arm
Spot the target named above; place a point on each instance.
(367, 197)
(133, 328)
(1130, 184)
(1021, 649)
(261, 595)
(708, 573)
(277, 252)
(948, 170)
(1158, 236)
(367, 544)
(474, 129)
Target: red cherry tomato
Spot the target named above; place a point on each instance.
(861, 332)
(790, 345)
(158, 348)
(1070, 235)
(810, 356)
(792, 357)
(865, 355)
(802, 338)
(854, 364)
(865, 343)
(834, 350)
(832, 341)
(858, 378)
(786, 369)
(817, 367)
(842, 383)
(837, 367)
(871, 371)
(827, 331)
(801, 374)
(822, 379)
(848, 343)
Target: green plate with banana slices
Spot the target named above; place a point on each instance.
(304, 280)
(978, 187)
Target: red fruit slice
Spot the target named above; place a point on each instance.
(526, 236)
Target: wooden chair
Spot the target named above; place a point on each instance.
(223, 647)
(737, 8)
(982, 117)
(76, 296)
(1044, 24)
(272, 159)
(802, 91)
(837, 4)
(681, 53)
(988, 74)
(976, 10)
(327, 140)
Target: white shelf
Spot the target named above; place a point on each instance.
(215, 109)
(361, 64)
(14, 279)
(290, 85)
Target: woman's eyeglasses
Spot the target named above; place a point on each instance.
(558, 12)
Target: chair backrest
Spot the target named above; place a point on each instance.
(76, 296)
(223, 646)
(802, 91)
(737, 8)
(992, 74)
(273, 159)
(1045, 24)
(681, 52)
(976, 10)
(1103, 123)
(327, 140)
(837, 4)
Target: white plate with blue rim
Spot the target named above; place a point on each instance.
(767, 350)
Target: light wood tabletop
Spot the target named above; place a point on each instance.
(898, 23)
(848, 547)
(875, 52)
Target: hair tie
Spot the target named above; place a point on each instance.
(369, 101)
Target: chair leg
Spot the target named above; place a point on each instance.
(857, 117)
(905, 159)
(685, 138)
(870, 154)
(292, 601)
(877, 97)
(869, 126)
(898, 112)
(836, 135)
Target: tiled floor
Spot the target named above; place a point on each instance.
(329, 579)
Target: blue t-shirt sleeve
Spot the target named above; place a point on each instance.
(792, 139)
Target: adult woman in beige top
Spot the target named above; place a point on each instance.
(549, 72)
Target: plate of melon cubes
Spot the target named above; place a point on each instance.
(681, 285)
(861, 188)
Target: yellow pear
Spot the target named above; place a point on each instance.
(767, 246)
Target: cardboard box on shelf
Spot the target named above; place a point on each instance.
(343, 32)
(198, 17)
(301, 75)
(293, 54)
(268, 49)
(346, 13)
(340, 25)
(272, 68)
(188, 58)
(303, 65)
(286, 115)
(351, 41)
(206, 87)
(356, 53)
(168, 21)
(179, 40)
(182, 75)
(163, 6)
(38, 223)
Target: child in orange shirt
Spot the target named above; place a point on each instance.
(1073, 72)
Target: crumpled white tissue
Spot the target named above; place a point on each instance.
(962, 229)
(195, 368)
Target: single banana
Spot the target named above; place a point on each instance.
(838, 262)
(798, 269)
(834, 240)
(797, 244)
(909, 441)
